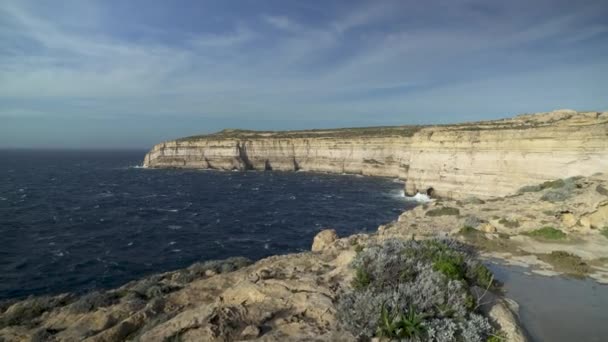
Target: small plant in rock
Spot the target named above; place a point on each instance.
(546, 233)
(604, 232)
(400, 326)
(444, 211)
(509, 224)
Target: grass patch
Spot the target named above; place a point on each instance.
(468, 231)
(554, 184)
(444, 211)
(566, 262)
(383, 131)
(509, 224)
(546, 233)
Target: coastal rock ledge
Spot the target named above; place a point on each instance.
(483, 159)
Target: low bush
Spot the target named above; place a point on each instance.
(416, 290)
(601, 190)
(94, 300)
(27, 311)
(604, 232)
(443, 211)
(529, 188)
(546, 233)
(554, 184)
(509, 224)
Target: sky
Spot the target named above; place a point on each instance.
(129, 74)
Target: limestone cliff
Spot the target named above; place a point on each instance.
(484, 159)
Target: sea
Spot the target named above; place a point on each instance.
(74, 221)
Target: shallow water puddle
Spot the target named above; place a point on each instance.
(556, 308)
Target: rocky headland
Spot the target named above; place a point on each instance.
(484, 159)
(527, 191)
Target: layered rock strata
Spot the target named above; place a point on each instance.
(484, 159)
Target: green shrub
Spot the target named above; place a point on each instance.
(468, 231)
(604, 232)
(415, 290)
(358, 248)
(529, 188)
(554, 184)
(509, 224)
(499, 337)
(400, 326)
(546, 233)
(449, 266)
(483, 276)
(444, 211)
(361, 280)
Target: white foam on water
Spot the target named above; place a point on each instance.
(174, 227)
(420, 198)
(168, 210)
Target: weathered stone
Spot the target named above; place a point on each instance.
(487, 228)
(569, 220)
(323, 239)
(599, 218)
(250, 331)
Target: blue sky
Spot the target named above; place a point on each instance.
(116, 73)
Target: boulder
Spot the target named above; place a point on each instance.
(569, 220)
(323, 239)
(250, 332)
(487, 228)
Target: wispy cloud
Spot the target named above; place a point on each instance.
(398, 58)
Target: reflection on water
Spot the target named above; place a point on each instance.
(557, 309)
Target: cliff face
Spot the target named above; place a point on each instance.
(484, 159)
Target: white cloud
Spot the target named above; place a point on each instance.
(315, 69)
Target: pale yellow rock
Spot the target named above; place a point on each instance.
(324, 239)
(585, 222)
(599, 218)
(569, 220)
(250, 332)
(487, 228)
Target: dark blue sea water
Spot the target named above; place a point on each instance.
(78, 220)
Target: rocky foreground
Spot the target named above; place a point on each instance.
(337, 291)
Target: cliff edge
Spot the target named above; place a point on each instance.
(483, 159)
